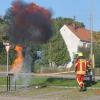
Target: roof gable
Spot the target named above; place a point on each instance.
(82, 33)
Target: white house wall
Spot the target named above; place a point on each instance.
(81, 43)
(72, 41)
(84, 44)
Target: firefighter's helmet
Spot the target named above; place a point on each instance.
(80, 54)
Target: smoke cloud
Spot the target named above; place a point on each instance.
(28, 23)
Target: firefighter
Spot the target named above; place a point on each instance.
(80, 69)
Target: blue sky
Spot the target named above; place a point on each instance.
(66, 8)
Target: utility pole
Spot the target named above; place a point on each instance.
(91, 49)
(91, 32)
(91, 25)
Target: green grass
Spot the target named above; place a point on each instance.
(3, 80)
(97, 84)
(60, 82)
(53, 81)
(47, 81)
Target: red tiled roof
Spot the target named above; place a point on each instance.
(82, 33)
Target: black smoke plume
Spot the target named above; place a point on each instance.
(28, 23)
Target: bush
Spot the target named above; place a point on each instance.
(39, 65)
(96, 51)
(3, 57)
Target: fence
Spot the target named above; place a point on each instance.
(51, 69)
(97, 71)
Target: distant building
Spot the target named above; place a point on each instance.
(76, 35)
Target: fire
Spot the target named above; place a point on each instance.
(18, 62)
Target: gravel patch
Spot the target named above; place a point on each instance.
(50, 93)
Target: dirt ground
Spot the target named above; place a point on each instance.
(49, 93)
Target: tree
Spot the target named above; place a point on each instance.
(3, 27)
(2, 34)
(96, 37)
(86, 53)
(96, 51)
(56, 51)
(96, 48)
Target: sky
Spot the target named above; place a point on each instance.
(81, 9)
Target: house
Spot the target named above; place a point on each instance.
(75, 35)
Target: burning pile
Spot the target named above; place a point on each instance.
(18, 62)
(28, 23)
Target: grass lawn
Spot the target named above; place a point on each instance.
(47, 81)
(47, 93)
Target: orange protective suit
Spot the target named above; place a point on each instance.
(80, 68)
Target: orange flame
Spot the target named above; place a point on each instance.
(18, 62)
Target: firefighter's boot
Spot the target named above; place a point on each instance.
(84, 88)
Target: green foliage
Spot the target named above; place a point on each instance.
(3, 57)
(33, 53)
(3, 80)
(96, 37)
(56, 50)
(1, 47)
(59, 22)
(96, 51)
(85, 51)
(79, 24)
(8, 16)
(39, 64)
(11, 56)
(2, 20)
(60, 82)
(3, 28)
